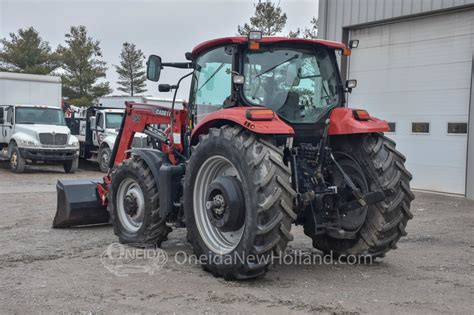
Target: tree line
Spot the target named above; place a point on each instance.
(80, 63)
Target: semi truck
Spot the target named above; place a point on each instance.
(32, 125)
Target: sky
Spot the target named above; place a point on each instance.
(168, 28)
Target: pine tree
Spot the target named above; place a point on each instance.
(27, 52)
(309, 32)
(83, 65)
(312, 31)
(131, 74)
(268, 18)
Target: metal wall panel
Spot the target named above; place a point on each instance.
(336, 14)
(470, 157)
(419, 70)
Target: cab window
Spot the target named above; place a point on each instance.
(212, 81)
(9, 115)
(100, 121)
(113, 120)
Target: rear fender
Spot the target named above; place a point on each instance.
(167, 177)
(153, 158)
(343, 122)
(238, 115)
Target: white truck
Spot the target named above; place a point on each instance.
(32, 125)
(97, 127)
(97, 134)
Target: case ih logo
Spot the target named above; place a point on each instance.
(162, 112)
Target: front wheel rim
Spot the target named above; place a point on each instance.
(104, 159)
(129, 192)
(14, 160)
(216, 240)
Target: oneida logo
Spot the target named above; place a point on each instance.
(125, 260)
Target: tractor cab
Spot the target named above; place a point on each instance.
(297, 79)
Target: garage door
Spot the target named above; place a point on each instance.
(417, 75)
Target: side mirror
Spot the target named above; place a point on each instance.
(92, 123)
(153, 68)
(353, 43)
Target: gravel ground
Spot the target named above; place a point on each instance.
(46, 270)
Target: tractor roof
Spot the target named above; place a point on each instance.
(276, 40)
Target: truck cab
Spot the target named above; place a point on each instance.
(97, 137)
(35, 134)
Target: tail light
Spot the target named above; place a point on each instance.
(360, 114)
(260, 114)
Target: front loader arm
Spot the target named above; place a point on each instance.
(136, 119)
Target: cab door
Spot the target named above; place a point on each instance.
(98, 130)
(6, 123)
(2, 121)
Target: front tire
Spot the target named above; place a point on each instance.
(104, 158)
(385, 222)
(71, 166)
(233, 155)
(134, 205)
(17, 162)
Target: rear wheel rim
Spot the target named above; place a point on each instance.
(131, 219)
(216, 240)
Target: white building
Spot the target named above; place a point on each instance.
(414, 66)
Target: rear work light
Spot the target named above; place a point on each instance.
(255, 35)
(253, 38)
(360, 114)
(260, 114)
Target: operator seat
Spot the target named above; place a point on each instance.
(291, 109)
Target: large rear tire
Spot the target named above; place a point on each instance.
(134, 205)
(385, 222)
(236, 157)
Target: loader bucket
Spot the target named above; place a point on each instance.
(78, 204)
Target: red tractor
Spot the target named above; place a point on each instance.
(264, 142)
